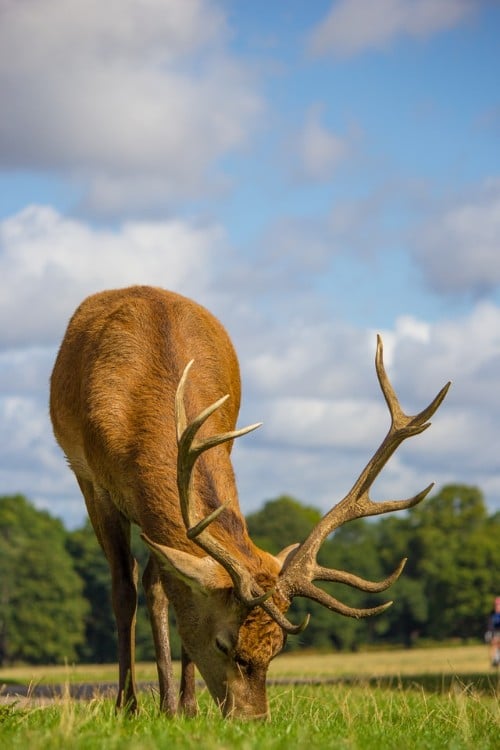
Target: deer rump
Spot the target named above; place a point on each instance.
(144, 399)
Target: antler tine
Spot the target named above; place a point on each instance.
(280, 618)
(326, 600)
(417, 423)
(373, 587)
(302, 568)
(187, 432)
(311, 591)
(180, 411)
(188, 451)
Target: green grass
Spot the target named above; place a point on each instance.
(394, 701)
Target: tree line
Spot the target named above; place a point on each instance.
(55, 583)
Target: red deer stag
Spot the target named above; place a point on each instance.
(145, 395)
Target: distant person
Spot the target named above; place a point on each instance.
(493, 633)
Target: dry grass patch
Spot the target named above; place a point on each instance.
(459, 660)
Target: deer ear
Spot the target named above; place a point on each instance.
(201, 574)
(286, 555)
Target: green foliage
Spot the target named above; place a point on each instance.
(55, 586)
(456, 555)
(445, 591)
(41, 603)
(353, 548)
(100, 644)
(281, 522)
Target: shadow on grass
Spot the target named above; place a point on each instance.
(480, 682)
(444, 683)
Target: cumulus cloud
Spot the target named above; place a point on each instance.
(316, 152)
(317, 439)
(130, 100)
(49, 263)
(25, 372)
(308, 375)
(337, 423)
(355, 26)
(323, 412)
(307, 359)
(459, 249)
(30, 461)
(465, 350)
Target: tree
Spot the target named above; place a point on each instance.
(42, 608)
(281, 522)
(285, 520)
(353, 548)
(456, 549)
(446, 588)
(100, 644)
(55, 592)
(408, 615)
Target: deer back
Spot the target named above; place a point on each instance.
(112, 401)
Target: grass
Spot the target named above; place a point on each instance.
(459, 660)
(439, 698)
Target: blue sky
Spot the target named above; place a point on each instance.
(313, 173)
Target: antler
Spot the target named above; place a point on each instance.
(302, 569)
(189, 449)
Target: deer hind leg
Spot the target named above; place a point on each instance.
(113, 533)
(158, 612)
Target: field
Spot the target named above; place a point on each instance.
(429, 698)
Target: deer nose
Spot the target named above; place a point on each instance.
(260, 717)
(249, 716)
(247, 713)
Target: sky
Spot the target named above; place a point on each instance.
(314, 173)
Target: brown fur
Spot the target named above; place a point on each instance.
(112, 409)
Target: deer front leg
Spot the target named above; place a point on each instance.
(158, 612)
(187, 705)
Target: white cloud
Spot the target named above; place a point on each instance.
(316, 152)
(459, 250)
(319, 423)
(309, 377)
(465, 350)
(139, 107)
(323, 412)
(316, 438)
(122, 91)
(49, 263)
(25, 372)
(30, 461)
(309, 359)
(355, 26)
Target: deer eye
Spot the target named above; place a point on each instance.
(243, 663)
(222, 646)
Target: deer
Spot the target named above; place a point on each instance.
(144, 399)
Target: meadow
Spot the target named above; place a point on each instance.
(423, 698)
